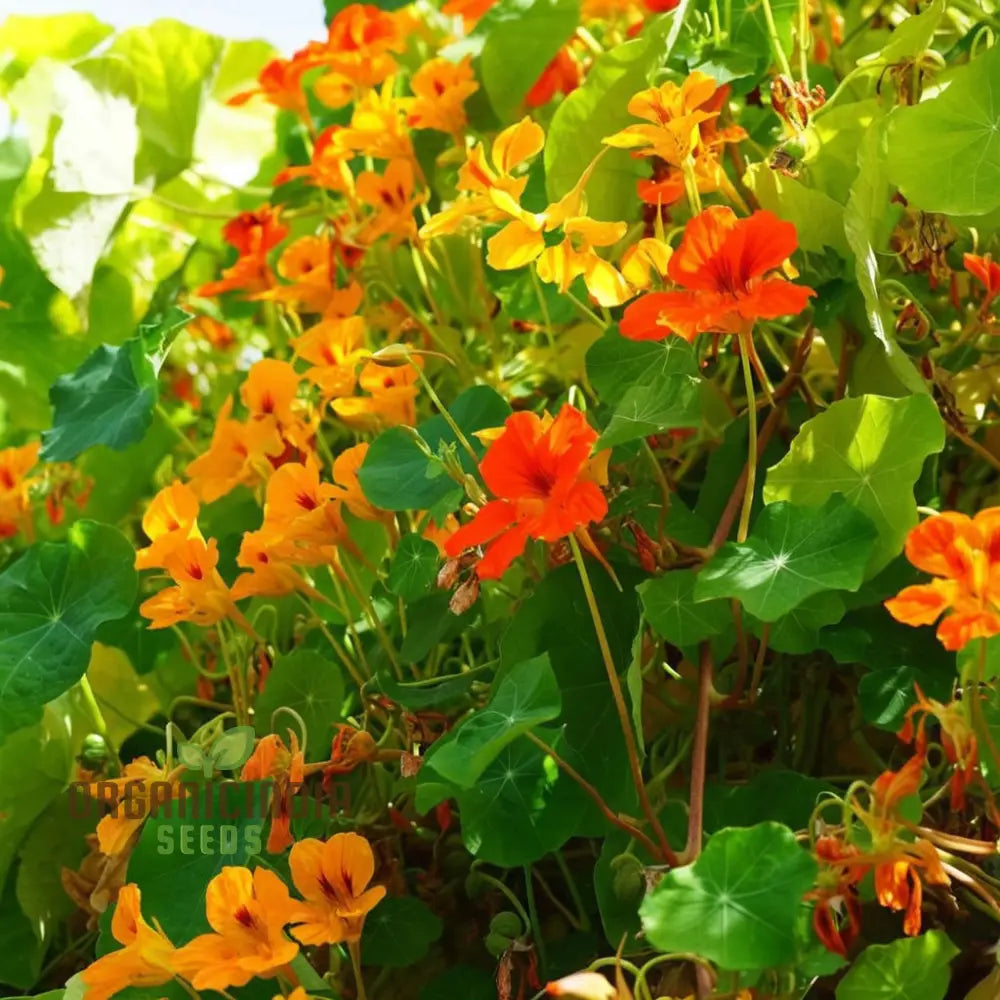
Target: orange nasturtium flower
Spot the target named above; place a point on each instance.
(358, 52)
(286, 767)
(248, 912)
(392, 196)
(392, 400)
(15, 487)
(146, 958)
(333, 877)
(334, 348)
(540, 470)
(170, 520)
(198, 595)
(726, 269)
(963, 555)
(329, 166)
(440, 88)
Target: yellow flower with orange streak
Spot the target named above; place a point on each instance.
(333, 878)
(378, 127)
(247, 913)
(145, 960)
(285, 766)
(170, 519)
(392, 398)
(141, 787)
(16, 484)
(392, 196)
(334, 348)
(673, 115)
(199, 594)
(440, 88)
(489, 190)
(521, 241)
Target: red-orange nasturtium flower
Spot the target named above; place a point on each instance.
(280, 84)
(561, 76)
(987, 271)
(145, 960)
(726, 269)
(247, 912)
(252, 234)
(540, 470)
(333, 878)
(963, 555)
(285, 766)
(958, 740)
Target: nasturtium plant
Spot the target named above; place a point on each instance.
(501, 501)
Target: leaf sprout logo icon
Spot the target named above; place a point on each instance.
(230, 751)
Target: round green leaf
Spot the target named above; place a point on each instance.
(737, 905)
(52, 601)
(523, 697)
(944, 153)
(399, 932)
(871, 449)
(907, 969)
(398, 475)
(311, 685)
(793, 553)
(669, 606)
(414, 567)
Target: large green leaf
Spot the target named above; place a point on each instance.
(669, 606)
(944, 153)
(414, 567)
(818, 219)
(398, 475)
(650, 386)
(110, 398)
(737, 905)
(52, 600)
(523, 697)
(399, 932)
(871, 449)
(313, 686)
(907, 969)
(593, 112)
(25, 38)
(792, 553)
(555, 619)
(521, 38)
(172, 62)
(36, 762)
(521, 808)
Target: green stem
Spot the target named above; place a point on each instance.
(536, 927)
(666, 850)
(573, 891)
(772, 36)
(751, 483)
(443, 410)
(354, 949)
